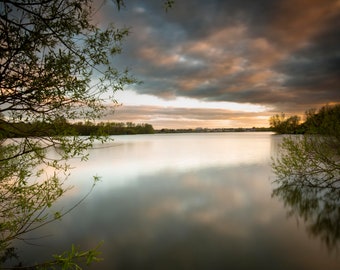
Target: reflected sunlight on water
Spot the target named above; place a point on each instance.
(133, 156)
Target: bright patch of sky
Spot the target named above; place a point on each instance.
(129, 97)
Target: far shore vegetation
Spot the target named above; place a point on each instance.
(324, 121)
(208, 130)
(61, 127)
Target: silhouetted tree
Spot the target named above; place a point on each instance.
(283, 125)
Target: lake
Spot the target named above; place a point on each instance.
(184, 201)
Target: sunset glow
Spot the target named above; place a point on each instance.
(227, 63)
(130, 98)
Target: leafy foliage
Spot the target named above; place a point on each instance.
(55, 64)
(308, 173)
(309, 159)
(324, 121)
(283, 125)
(39, 129)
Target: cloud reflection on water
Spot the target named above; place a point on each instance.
(130, 157)
(216, 212)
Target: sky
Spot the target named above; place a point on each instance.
(225, 63)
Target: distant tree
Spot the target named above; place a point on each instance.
(325, 121)
(283, 125)
(276, 121)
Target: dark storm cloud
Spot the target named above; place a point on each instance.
(314, 70)
(264, 52)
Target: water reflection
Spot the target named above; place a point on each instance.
(199, 201)
(202, 219)
(309, 186)
(132, 156)
(319, 207)
(182, 221)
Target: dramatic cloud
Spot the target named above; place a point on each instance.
(282, 54)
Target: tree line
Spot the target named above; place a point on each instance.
(113, 128)
(324, 121)
(61, 127)
(210, 130)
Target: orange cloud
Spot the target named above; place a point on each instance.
(299, 20)
(157, 57)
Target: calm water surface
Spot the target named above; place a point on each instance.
(184, 201)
